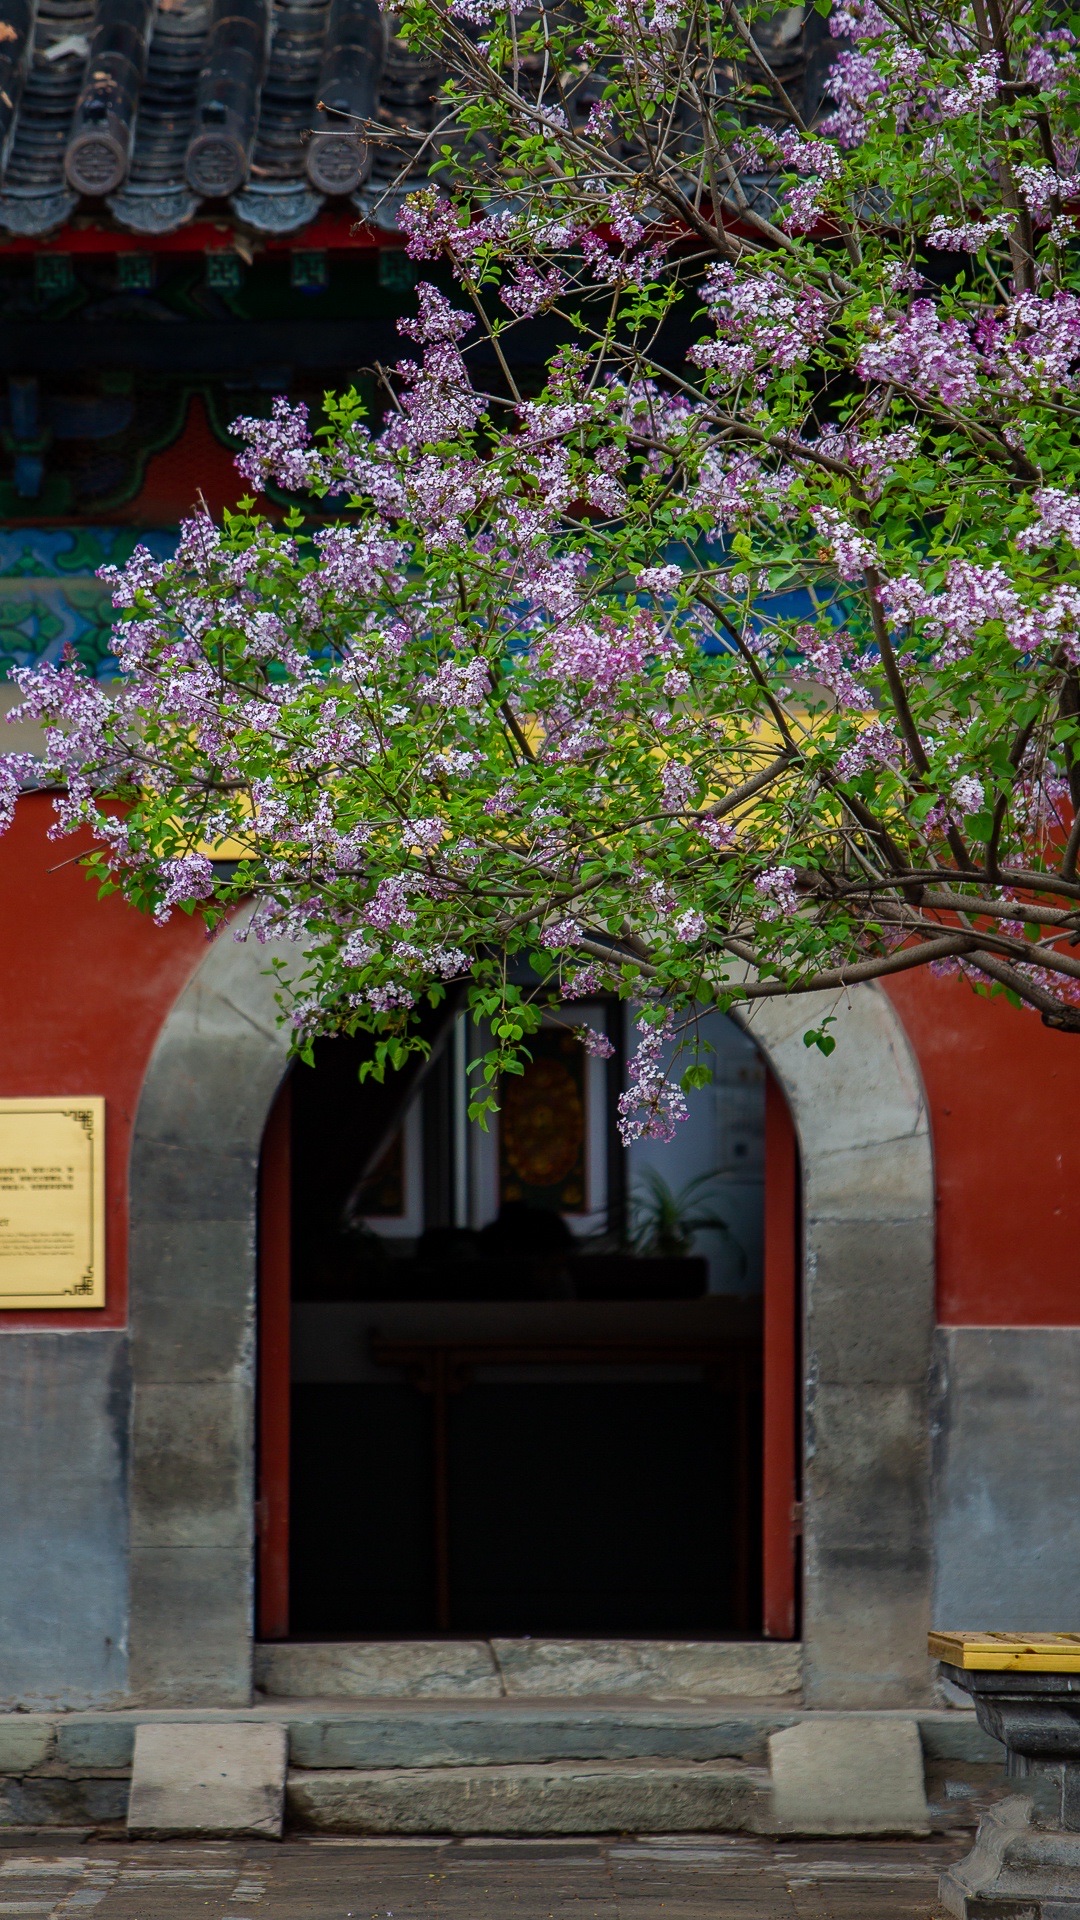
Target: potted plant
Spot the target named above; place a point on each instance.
(665, 1220)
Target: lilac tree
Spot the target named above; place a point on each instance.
(737, 656)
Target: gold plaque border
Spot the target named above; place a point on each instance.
(89, 1290)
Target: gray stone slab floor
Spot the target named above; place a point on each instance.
(651, 1878)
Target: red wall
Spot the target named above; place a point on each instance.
(196, 463)
(85, 985)
(1004, 1094)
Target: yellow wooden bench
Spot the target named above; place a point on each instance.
(1008, 1652)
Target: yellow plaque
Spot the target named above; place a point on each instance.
(52, 1202)
(1008, 1652)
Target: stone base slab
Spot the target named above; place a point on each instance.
(81, 1745)
(210, 1779)
(57, 1804)
(550, 1669)
(850, 1774)
(604, 1797)
(73, 1769)
(1015, 1871)
(400, 1733)
(376, 1670)
(655, 1669)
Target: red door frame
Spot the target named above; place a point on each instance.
(273, 1318)
(780, 1512)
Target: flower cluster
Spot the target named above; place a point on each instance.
(1058, 515)
(653, 1104)
(930, 355)
(873, 747)
(776, 888)
(762, 324)
(278, 449)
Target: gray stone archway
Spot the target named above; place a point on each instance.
(868, 1221)
(868, 1249)
(212, 1077)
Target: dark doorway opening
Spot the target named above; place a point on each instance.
(571, 1511)
(505, 1417)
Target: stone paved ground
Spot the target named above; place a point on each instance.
(321, 1879)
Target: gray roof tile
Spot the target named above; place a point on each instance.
(153, 109)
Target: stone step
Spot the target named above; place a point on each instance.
(521, 1732)
(73, 1769)
(531, 1669)
(406, 1733)
(561, 1797)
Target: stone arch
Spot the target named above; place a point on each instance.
(215, 1069)
(868, 1225)
(868, 1262)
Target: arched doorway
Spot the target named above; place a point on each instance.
(867, 1242)
(550, 1344)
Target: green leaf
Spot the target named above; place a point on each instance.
(819, 1038)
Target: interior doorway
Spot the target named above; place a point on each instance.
(529, 1381)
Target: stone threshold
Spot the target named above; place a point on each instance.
(530, 1668)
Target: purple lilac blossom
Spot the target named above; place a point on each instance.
(776, 888)
(652, 1105)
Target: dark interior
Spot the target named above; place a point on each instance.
(587, 1492)
(574, 1510)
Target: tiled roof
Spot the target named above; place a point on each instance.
(155, 109)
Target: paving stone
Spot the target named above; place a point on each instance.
(661, 1878)
(849, 1774)
(682, 1669)
(598, 1797)
(208, 1778)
